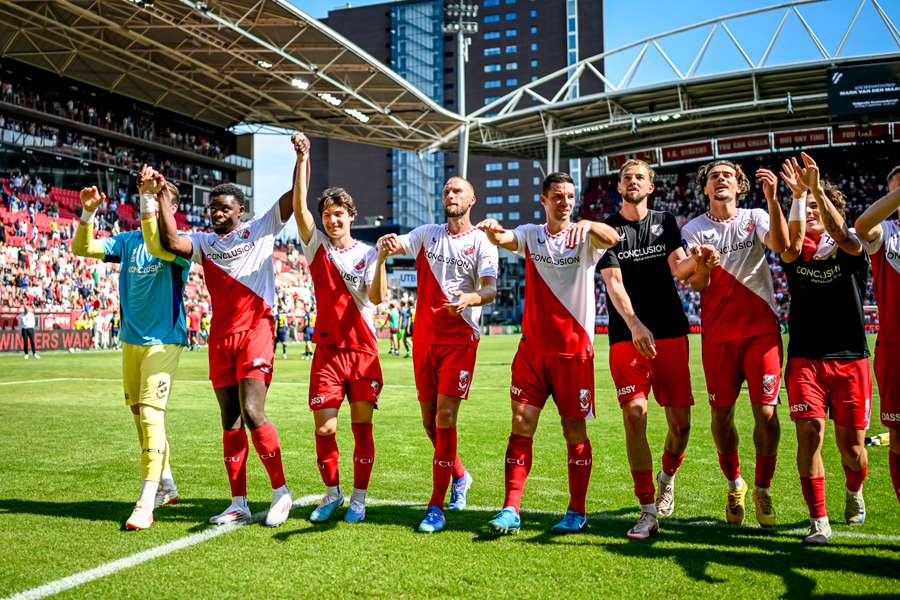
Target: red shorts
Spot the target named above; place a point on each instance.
(887, 374)
(727, 364)
(444, 369)
(569, 380)
(244, 355)
(843, 388)
(338, 372)
(668, 374)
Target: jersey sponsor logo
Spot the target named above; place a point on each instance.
(628, 389)
(656, 229)
(316, 400)
(148, 270)
(233, 253)
(890, 417)
(708, 237)
(642, 253)
(515, 391)
(735, 246)
(769, 385)
(464, 380)
(450, 260)
(556, 262)
(799, 408)
(820, 275)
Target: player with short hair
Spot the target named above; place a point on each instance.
(281, 331)
(881, 238)
(240, 276)
(349, 279)
(741, 333)
(648, 344)
(456, 268)
(828, 356)
(556, 352)
(153, 332)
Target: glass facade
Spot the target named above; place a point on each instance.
(417, 54)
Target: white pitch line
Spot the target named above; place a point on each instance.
(206, 381)
(72, 581)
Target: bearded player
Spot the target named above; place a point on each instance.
(349, 280)
(648, 344)
(881, 238)
(828, 356)
(556, 352)
(153, 333)
(240, 276)
(741, 333)
(456, 267)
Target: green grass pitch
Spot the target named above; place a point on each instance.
(69, 470)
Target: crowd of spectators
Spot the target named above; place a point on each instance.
(859, 172)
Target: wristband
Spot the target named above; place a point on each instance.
(87, 216)
(149, 203)
(798, 209)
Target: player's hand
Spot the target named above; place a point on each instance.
(643, 340)
(150, 181)
(389, 243)
(711, 256)
(791, 177)
(91, 198)
(463, 301)
(809, 172)
(492, 229)
(769, 183)
(578, 233)
(301, 145)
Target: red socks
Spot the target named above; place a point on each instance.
(814, 494)
(671, 462)
(579, 475)
(731, 465)
(442, 466)
(855, 478)
(265, 440)
(894, 462)
(234, 444)
(518, 464)
(363, 454)
(327, 457)
(459, 471)
(765, 470)
(644, 488)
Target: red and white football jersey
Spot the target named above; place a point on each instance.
(239, 272)
(739, 302)
(341, 280)
(884, 251)
(446, 263)
(560, 303)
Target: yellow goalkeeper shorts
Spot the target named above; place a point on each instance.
(147, 373)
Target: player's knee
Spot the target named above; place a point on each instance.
(523, 424)
(574, 430)
(635, 414)
(722, 420)
(326, 429)
(680, 428)
(445, 417)
(430, 427)
(809, 432)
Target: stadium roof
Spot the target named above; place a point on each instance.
(226, 62)
(546, 119)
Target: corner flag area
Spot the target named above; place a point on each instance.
(68, 459)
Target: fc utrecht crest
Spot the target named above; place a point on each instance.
(770, 385)
(469, 250)
(464, 380)
(656, 229)
(245, 234)
(360, 265)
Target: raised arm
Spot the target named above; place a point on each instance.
(706, 258)
(777, 237)
(84, 244)
(150, 185)
(831, 217)
(498, 235)
(641, 337)
(299, 195)
(869, 223)
(179, 245)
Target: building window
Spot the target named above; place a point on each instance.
(534, 64)
(509, 2)
(490, 99)
(494, 200)
(491, 3)
(510, 16)
(492, 35)
(537, 197)
(536, 180)
(512, 32)
(512, 165)
(512, 182)
(497, 216)
(532, 13)
(495, 51)
(493, 183)
(513, 199)
(536, 164)
(491, 19)
(491, 68)
(533, 30)
(512, 49)
(534, 46)
(537, 214)
(497, 166)
(512, 66)
(513, 215)
(512, 82)
(491, 84)
(534, 78)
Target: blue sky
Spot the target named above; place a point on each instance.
(627, 21)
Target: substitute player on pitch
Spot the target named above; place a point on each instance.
(556, 352)
(456, 268)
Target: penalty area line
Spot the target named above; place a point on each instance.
(104, 570)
